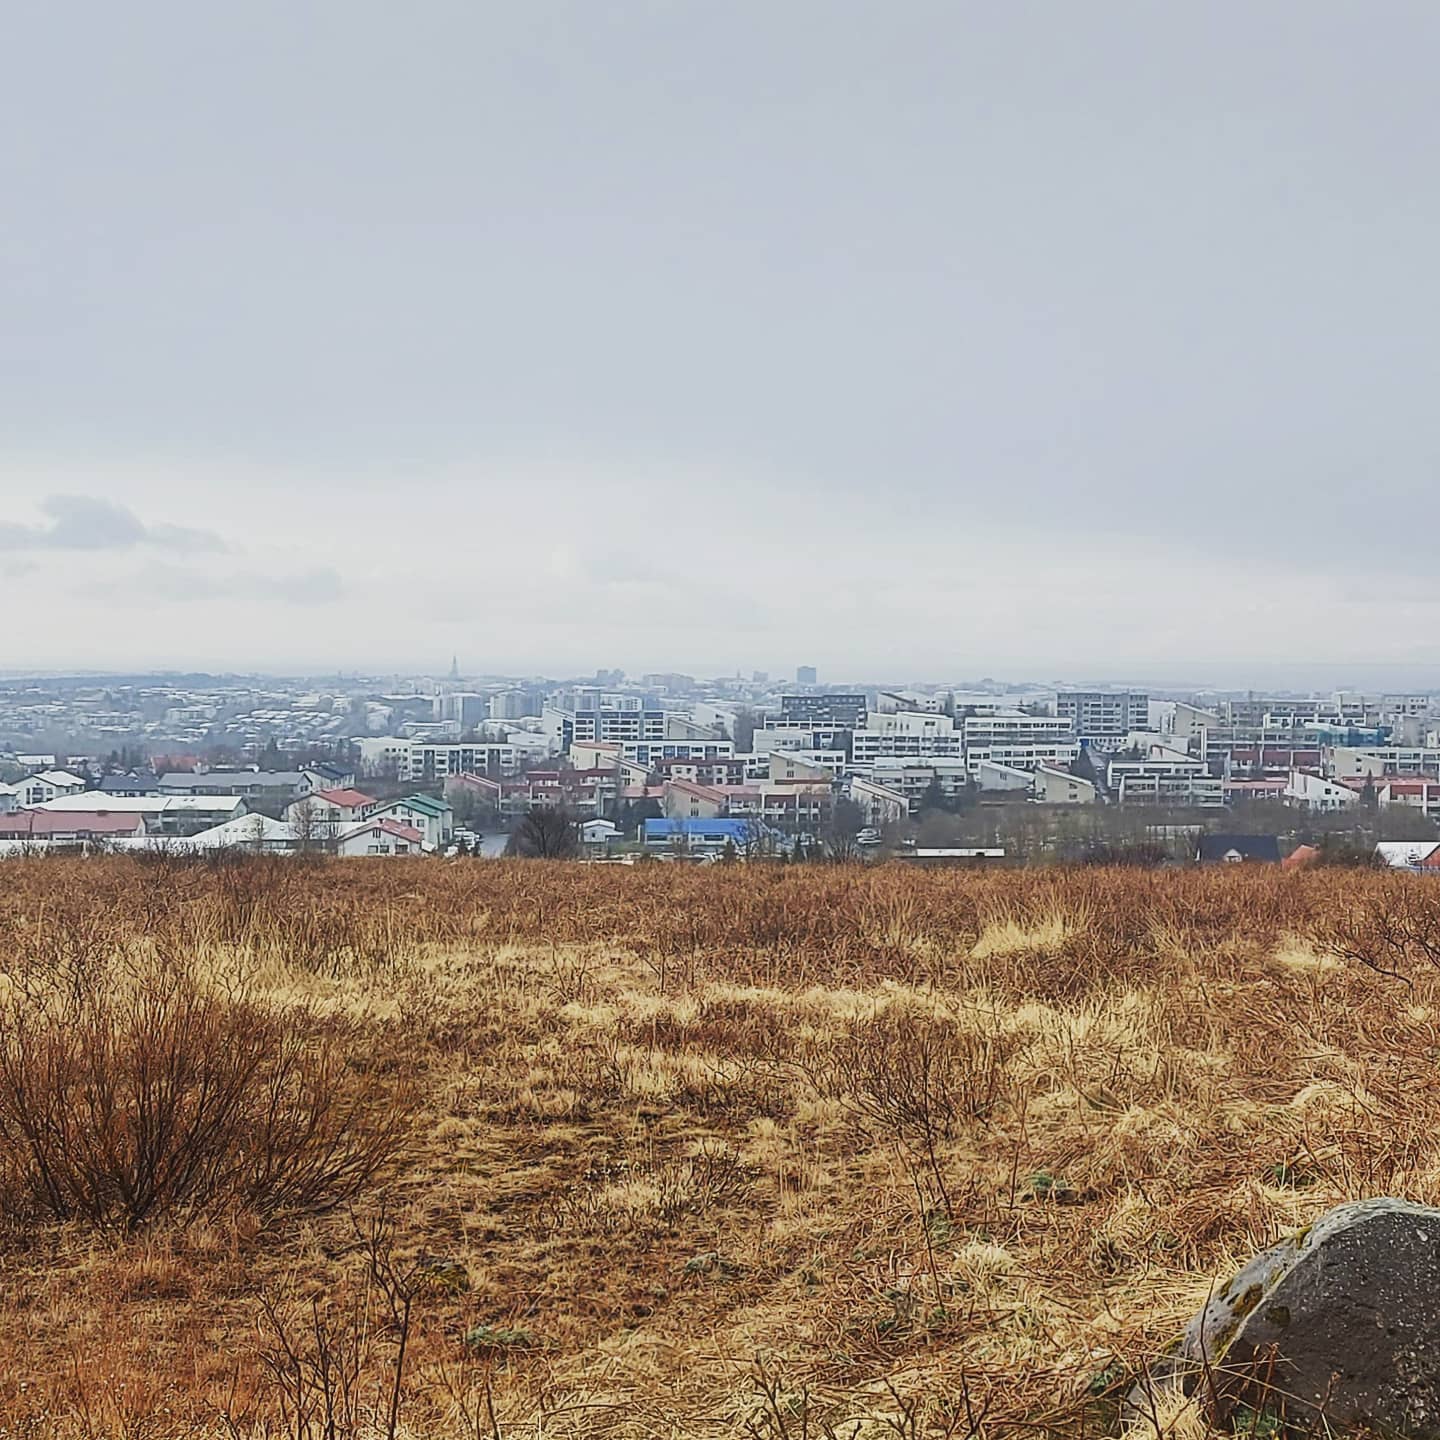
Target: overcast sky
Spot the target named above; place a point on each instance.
(907, 339)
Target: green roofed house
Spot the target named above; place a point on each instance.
(433, 818)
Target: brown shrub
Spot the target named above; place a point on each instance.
(152, 1097)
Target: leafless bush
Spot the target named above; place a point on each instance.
(336, 1364)
(126, 1103)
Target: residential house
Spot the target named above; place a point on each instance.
(381, 835)
(1314, 792)
(993, 777)
(880, 804)
(1238, 850)
(9, 798)
(260, 787)
(598, 835)
(329, 775)
(680, 799)
(47, 786)
(322, 814)
(1060, 787)
(651, 753)
(434, 819)
(721, 770)
(1409, 854)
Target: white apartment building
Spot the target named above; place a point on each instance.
(1193, 791)
(617, 717)
(796, 735)
(1057, 755)
(912, 778)
(381, 753)
(907, 734)
(1016, 728)
(430, 761)
(1353, 762)
(1101, 713)
(1165, 779)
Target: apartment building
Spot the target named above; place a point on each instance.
(1375, 762)
(1165, 778)
(429, 760)
(781, 735)
(650, 753)
(613, 717)
(907, 734)
(1058, 755)
(1103, 714)
(1007, 729)
(835, 711)
(912, 779)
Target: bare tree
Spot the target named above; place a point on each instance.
(841, 834)
(545, 835)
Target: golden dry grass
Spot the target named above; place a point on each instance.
(757, 1151)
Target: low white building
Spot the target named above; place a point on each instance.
(258, 833)
(879, 804)
(991, 776)
(1314, 792)
(598, 834)
(1060, 787)
(380, 836)
(163, 814)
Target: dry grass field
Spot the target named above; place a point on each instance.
(510, 1149)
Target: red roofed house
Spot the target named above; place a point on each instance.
(71, 826)
(323, 814)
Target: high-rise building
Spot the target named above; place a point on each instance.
(806, 675)
(1104, 714)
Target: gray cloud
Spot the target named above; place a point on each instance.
(86, 522)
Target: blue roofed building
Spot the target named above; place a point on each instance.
(701, 835)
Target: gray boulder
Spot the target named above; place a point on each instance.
(1337, 1325)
